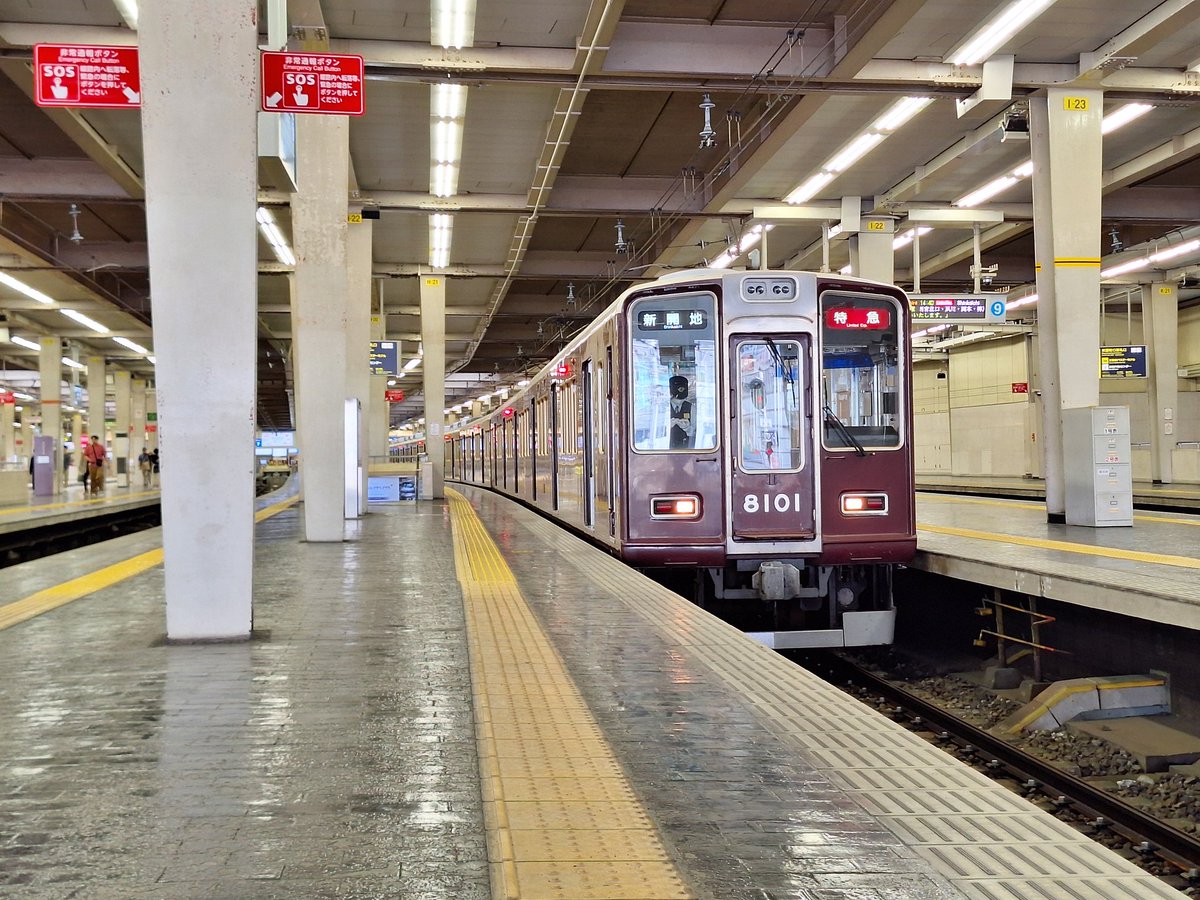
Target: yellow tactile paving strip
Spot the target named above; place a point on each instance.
(562, 820)
(60, 594)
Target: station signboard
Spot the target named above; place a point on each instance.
(1123, 362)
(83, 75)
(385, 358)
(330, 83)
(957, 308)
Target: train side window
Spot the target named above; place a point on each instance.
(860, 372)
(770, 412)
(673, 394)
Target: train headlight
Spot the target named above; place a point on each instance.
(675, 506)
(864, 504)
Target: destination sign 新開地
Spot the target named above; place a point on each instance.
(671, 319)
(1123, 362)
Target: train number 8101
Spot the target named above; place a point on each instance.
(777, 502)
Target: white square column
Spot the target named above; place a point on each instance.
(199, 69)
(1160, 315)
(320, 305)
(358, 339)
(433, 376)
(1066, 146)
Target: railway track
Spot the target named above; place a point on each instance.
(1163, 850)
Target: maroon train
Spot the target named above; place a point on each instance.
(754, 428)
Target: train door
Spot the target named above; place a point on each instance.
(533, 449)
(553, 444)
(610, 454)
(589, 448)
(773, 484)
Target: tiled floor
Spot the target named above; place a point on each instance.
(331, 756)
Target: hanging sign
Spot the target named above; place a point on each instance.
(392, 396)
(330, 83)
(384, 358)
(8, 397)
(1123, 362)
(85, 75)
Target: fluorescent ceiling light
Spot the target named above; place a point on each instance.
(22, 396)
(853, 152)
(449, 101)
(25, 289)
(1172, 252)
(153, 361)
(274, 237)
(129, 12)
(412, 363)
(443, 178)
(136, 348)
(1129, 266)
(25, 342)
(453, 23)
(84, 320)
(900, 113)
(807, 190)
(1027, 300)
(964, 339)
(859, 146)
(445, 141)
(905, 239)
(989, 190)
(991, 37)
(67, 361)
(1123, 115)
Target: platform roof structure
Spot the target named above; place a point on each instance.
(605, 141)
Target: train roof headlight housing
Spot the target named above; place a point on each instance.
(675, 506)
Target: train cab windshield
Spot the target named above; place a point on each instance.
(769, 405)
(860, 372)
(673, 361)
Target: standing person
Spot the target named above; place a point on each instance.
(145, 464)
(682, 427)
(154, 463)
(95, 455)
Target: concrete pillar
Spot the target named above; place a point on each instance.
(358, 337)
(1066, 148)
(137, 427)
(1160, 314)
(97, 386)
(200, 98)
(121, 450)
(50, 371)
(8, 417)
(319, 311)
(76, 454)
(871, 253)
(433, 339)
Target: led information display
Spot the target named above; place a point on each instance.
(942, 307)
(385, 358)
(852, 318)
(1123, 362)
(671, 319)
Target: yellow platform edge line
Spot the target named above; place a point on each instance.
(77, 588)
(1066, 547)
(66, 504)
(501, 628)
(935, 497)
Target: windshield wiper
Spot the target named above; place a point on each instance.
(787, 372)
(840, 427)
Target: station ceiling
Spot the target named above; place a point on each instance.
(583, 165)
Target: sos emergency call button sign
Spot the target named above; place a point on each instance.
(330, 83)
(86, 76)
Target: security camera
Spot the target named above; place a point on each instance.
(1015, 127)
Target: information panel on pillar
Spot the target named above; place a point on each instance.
(948, 307)
(1123, 362)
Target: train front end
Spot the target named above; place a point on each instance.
(781, 471)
